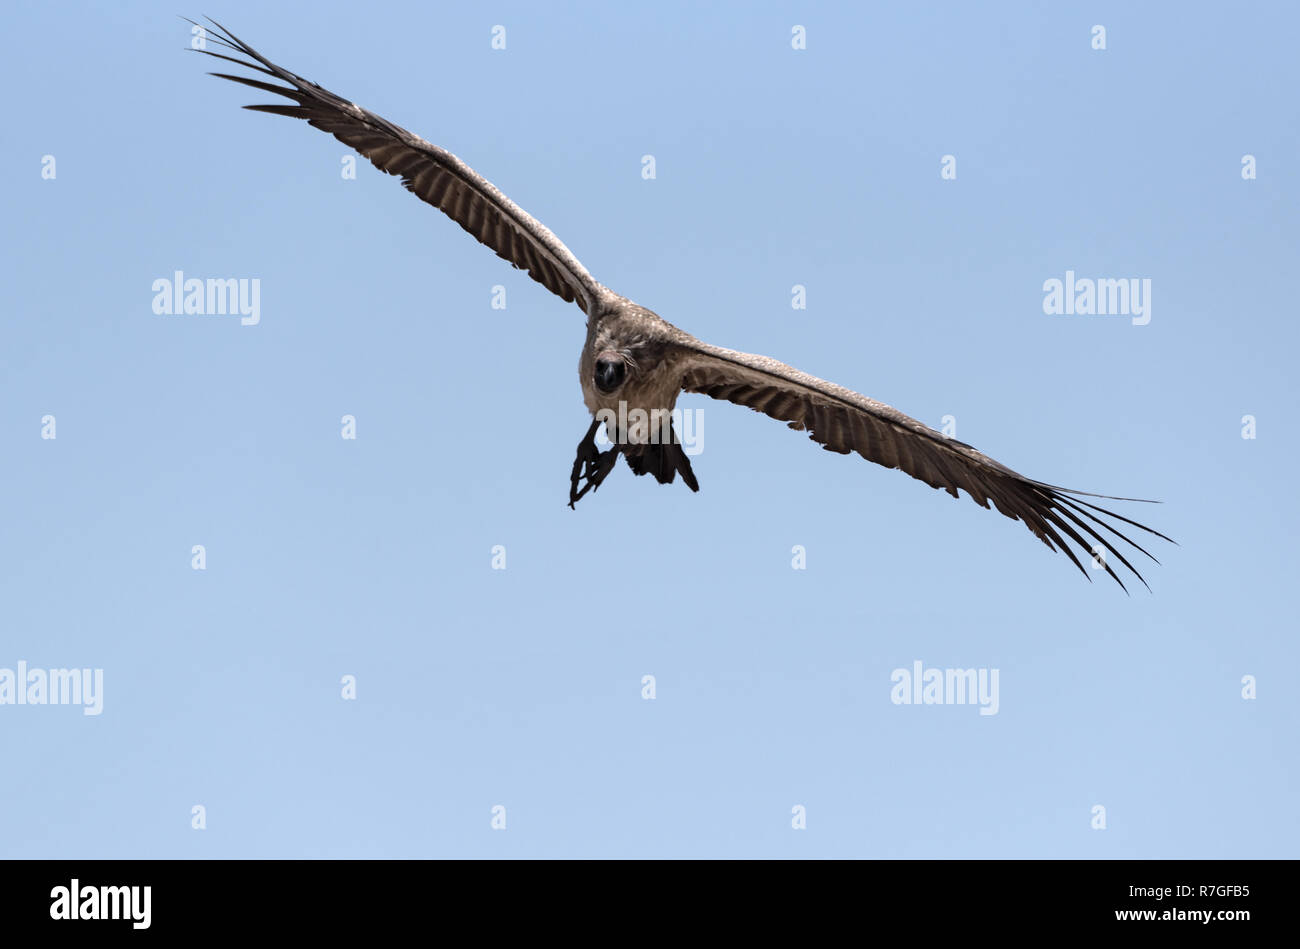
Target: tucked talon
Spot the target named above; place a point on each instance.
(595, 474)
(590, 465)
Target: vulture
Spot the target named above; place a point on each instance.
(634, 364)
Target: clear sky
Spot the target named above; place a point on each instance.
(372, 557)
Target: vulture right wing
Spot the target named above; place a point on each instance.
(434, 175)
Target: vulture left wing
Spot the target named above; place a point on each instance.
(845, 421)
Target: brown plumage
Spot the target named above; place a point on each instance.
(633, 359)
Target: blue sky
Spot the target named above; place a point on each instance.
(522, 687)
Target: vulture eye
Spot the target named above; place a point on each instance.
(609, 373)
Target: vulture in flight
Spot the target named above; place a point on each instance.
(635, 360)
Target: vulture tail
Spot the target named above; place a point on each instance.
(663, 461)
